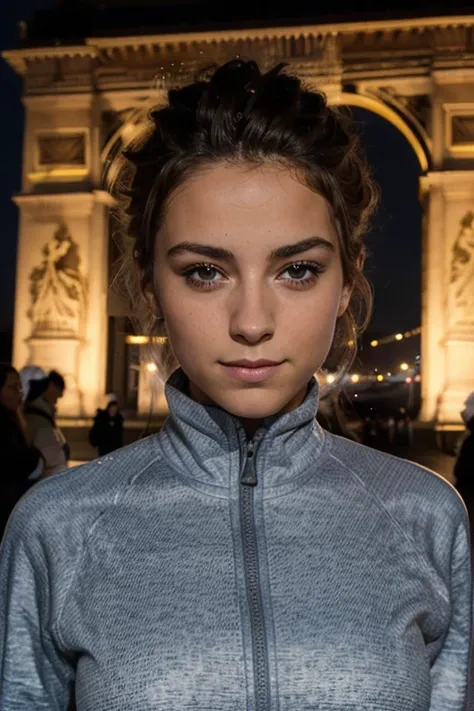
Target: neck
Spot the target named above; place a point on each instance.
(250, 425)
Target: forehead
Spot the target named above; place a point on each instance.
(229, 202)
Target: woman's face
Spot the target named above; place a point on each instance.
(248, 268)
(11, 394)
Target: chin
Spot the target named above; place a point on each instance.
(254, 403)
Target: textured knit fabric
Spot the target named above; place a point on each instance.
(140, 580)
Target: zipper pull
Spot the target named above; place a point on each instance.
(249, 475)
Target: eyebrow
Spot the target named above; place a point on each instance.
(288, 250)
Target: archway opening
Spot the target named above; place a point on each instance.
(390, 350)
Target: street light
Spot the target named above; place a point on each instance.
(374, 343)
(355, 378)
(399, 337)
(404, 366)
(330, 378)
(380, 378)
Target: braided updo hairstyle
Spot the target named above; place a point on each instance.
(244, 116)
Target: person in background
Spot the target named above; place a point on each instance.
(107, 431)
(19, 459)
(40, 413)
(464, 467)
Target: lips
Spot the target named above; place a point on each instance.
(262, 363)
(252, 371)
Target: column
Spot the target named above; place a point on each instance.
(61, 293)
(448, 295)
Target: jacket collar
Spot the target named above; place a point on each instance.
(208, 446)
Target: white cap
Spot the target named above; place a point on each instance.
(109, 398)
(28, 374)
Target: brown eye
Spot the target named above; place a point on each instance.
(301, 272)
(297, 271)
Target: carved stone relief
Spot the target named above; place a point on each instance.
(462, 130)
(62, 150)
(417, 105)
(58, 289)
(461, 285)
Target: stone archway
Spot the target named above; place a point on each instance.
(417, 73)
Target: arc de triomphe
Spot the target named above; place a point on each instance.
(82, 101)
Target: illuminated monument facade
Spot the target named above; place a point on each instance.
(83, 100)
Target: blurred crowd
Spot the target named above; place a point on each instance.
(32, 444)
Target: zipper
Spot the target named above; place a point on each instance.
(248, 480)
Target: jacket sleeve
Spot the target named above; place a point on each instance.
(451, 676)
(52, 450)
(34, 674)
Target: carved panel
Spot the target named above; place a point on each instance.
(462, 130)
(58, 289)
(67, 149)
(461, 283)
(459, 129)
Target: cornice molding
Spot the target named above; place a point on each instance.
(231, 35)
(78, 204)
(93, 46)
(18, 58)
(455, 184)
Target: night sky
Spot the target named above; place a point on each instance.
(394, 264)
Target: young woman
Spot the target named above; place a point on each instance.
(19, 460)
(243, 558)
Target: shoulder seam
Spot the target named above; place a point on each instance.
(87, 538)
(382, 506)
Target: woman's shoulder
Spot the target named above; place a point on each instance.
(69, 502)
(401, 486)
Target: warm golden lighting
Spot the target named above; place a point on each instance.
(355, 378)
(380, 378)
(404, 366)
(351, 344)
(374, 344)
(144, 340)
(399, 337)
(151, 367)
(137, 340)
(330, 378)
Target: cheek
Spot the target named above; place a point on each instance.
(194, 326)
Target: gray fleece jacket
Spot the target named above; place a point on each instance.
(197, 571)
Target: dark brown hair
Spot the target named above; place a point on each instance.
(244, 116)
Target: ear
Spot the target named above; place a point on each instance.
(348, 288)
(344, 300)
(149, 295)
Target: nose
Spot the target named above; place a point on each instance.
(252, 314)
